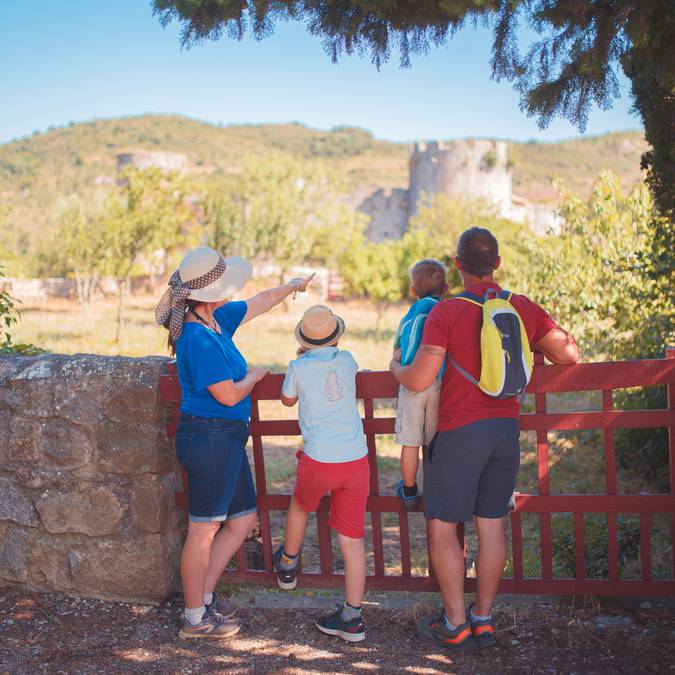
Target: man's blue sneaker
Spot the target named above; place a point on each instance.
(409, 502)
(333, 624)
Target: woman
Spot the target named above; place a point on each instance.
(213, 429)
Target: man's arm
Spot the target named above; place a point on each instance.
(422, 371)
(558, 346)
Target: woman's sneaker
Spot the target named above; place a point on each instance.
(483, 631)
(333, 624)
(436, 631)
(223, 606)
(286, 578)
(211, 626)
(409, 501)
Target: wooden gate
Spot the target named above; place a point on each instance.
(547, 379)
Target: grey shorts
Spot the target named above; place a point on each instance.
(471, 470)
(417, 415)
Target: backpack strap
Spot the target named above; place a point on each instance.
(469, 297)
(463, 372)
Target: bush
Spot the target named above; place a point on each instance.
(10, 316)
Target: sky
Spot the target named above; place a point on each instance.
(76, 60)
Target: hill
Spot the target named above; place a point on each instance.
(39, 171)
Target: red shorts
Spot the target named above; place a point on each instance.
(348, 484)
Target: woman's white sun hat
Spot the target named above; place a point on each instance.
(200, 261)
(319, 327)
(205, 276)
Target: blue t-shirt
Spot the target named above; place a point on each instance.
(324, 381)
(409, 334)
(204, 358)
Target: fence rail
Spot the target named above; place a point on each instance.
(546, 379)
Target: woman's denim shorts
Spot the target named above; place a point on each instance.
(213, 453)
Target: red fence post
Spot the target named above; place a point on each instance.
(670, 355)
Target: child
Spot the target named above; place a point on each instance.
(335, 460)
(417, 412)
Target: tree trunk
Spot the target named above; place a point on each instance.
(120, 297)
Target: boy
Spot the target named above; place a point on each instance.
(335, 460)
(417, 412)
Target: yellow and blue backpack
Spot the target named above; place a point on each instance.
(506, 358)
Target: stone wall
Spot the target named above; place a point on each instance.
(87, 478)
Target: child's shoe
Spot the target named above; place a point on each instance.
(333, 624)
(211, 626)
(286, 578)
(409, 501)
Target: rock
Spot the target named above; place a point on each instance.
(95, 512)
(22, 443)
(64, 445)
(15, 505)
(645, 605)
(124, 449)
(50, 560)
(515, 643)
(15, 545)
(151, 501)
(613, 622)
(141, 570)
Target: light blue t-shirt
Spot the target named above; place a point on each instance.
(204, 358)
(324, 381)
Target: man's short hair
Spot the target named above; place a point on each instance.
(478, 251)
(428, 277)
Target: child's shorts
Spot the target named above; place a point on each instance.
(348, 484)
(417, 415)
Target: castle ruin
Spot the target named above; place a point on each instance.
(463, 169)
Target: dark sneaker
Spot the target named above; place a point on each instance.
(223, 606)
(434, 630)
(285, 578)
(211, 626)
(409, 503)
(352, 631)
(483, 631)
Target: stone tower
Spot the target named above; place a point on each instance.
(470, 169)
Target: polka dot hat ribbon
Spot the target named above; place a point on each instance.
(170, 311)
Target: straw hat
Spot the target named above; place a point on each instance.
(319, 327)
(200, 261)
(205, 276)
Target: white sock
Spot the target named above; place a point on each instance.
(477, 617)
(194, 615)
(208, 598)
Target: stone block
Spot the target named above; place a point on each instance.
(94, 511)
(64, 445)
(50, 564)
(15, 546)
(15, 504)
(123, 449)
(142, 569)
(151, 503)
(22, 442)
(138, 402)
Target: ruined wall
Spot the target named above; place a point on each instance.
(87, 477)
(388, 212)
(468, 169)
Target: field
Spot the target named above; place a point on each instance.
(577, 459)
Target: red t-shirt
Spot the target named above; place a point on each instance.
(455, 325)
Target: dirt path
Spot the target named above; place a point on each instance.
(49, 633)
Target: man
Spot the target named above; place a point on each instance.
(470, 467)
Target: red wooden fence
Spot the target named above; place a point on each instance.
(547, 379)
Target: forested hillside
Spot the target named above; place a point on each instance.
(38, 173)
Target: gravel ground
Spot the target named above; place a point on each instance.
(51, 633)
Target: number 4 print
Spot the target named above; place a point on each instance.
(332, 391)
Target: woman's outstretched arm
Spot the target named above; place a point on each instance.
(265, 300)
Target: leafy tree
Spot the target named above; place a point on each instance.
(147, 213)
(597, 275)
(571, 66)
(440, 220)
(10, 316)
